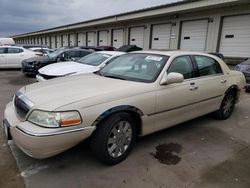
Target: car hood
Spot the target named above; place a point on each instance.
(90, 88)
(39, 59)
(65, 68)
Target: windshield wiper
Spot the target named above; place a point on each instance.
(112, 76)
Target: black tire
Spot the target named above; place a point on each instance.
(227, 106)
(104, 134)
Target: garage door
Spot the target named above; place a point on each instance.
(161, 36)
(53, 42)
(58, 41)
(90, 39)
(72, 39)
(235, 36)
(103, 38)
(48, 41)
(118, 38)
(194, 35)
(81, 39)
(43, 41)
(65, 40)
(137, 36)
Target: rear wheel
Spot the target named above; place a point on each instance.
(114, 138)
(227, 106)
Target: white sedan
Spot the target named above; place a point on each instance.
(134, 95)
(88, 64)
(12, 56)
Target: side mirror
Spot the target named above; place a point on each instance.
(172, 78)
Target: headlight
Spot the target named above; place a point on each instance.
(55, 119)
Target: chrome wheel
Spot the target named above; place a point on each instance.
(119, 139)
(228, 104)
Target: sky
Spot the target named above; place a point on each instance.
(22, 16)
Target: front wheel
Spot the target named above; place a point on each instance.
(227, 106)
(114, 138)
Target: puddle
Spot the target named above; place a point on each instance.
(168, 153)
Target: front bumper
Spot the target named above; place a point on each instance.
(39, 142)
(29, 69)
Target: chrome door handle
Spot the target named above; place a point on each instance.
(223, 81)
(192, 88)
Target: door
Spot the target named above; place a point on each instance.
(117, 38)
(58, 41)
(211, 83)
(235, 36)
(137, 36)
(53, 42)
(65, 41)
(2, 57)
(161, 36)
(90, 38)
(175, 102)
(194, 35)
(72, 39)
(81, 39)
(14, 57)
(103, 38)
(43, 41)
(48, 42)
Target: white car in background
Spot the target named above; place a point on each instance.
(42, 50)
(12, 56)
(88, 64)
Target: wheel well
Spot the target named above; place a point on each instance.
(135, 115)
(235, 89)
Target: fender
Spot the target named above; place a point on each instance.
(234, 87)
(121, 108)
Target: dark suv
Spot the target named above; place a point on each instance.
(30, 66)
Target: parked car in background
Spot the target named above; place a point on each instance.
(44, 51)
(30, 66)
(134, 95)
(12, 56)
(129, 48)
(88, 64)
(245, 69)
(98, 48)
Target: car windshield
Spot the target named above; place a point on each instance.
(94, 59)
(55, 53)
(135, 67)
(247, 62)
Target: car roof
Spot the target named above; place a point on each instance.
(6, 46)
(37, 48)
(111, 52)
(173, 52)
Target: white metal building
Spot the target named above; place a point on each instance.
(199, 25)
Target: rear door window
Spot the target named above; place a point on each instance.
(207, 66)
